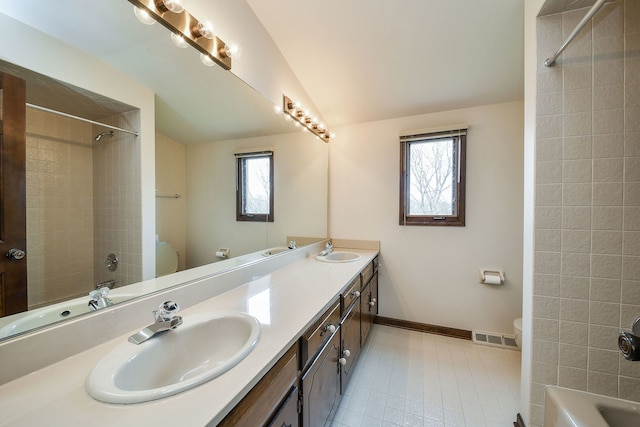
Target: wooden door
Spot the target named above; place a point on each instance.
(13, 221)
(321, 386)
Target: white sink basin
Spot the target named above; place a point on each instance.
(572, 408)
(339, 256)
(204, 347)
(274, 251)
(53, 313)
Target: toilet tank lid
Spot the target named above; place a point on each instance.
(518, 323)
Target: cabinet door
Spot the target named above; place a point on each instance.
(350, 349)
(267, 397)
(287, 416)
(321, 386)
(369, 307)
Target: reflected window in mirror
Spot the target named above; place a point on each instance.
(254, 189)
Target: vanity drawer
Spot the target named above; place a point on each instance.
(350, 294)
(267, 398)
(318, 334)
(367, 273)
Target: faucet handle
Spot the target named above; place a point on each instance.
(167, 310)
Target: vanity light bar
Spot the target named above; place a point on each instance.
(295, 111)
(190, 29)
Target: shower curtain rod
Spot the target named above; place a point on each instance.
(550, 62)
(60, 113)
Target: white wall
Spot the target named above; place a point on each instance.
(430, 274)
(171, 213)
(261, 65)
(532, 7)
(300, 196)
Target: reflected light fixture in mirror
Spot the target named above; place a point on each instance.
(293, 110)
(179, 41)
(197, 33)
(143, 16)
(175, 6)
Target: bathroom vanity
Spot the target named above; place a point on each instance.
(314, 318)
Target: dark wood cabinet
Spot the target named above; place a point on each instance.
(288, 415)
(320, 385)
(369, 307)
(305, 386)
(317, 335)
(350, 344)
(269, 397)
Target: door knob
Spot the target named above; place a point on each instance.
(16, 254)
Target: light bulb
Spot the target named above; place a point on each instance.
(288, 118)
(203, 29)
(207, 60)
(277, 109)
(179, 40)
(143, 16)
(232, 50)
(175, 6)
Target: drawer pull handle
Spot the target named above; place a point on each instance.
(355, 294)
(346, 353)
(329, 328)
(342, 361)
(373, 302)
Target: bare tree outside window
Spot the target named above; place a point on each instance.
(254, 194)
(431, 180)
(432, 171)
(258, 186)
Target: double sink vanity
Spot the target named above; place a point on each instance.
(277, 349)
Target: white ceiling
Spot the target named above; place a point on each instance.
(367, 60)
(358, 60)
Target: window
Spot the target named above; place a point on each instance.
(432, 173)
(254, 190)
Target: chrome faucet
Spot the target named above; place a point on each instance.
(165, 320)
(107, 283)
(293, 244)
(327, 249)
(99, 299)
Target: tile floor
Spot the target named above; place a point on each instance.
(407, 378)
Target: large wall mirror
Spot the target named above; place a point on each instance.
(203, 116)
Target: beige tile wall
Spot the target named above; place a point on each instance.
(59, 208)
(117, 203)
(587, 237)
(83, 202)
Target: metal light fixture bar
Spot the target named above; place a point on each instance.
(296, 112)
(185, 25)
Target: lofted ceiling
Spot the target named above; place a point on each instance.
(367, 60)
(358, 60)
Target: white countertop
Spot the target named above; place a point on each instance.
(286, 302)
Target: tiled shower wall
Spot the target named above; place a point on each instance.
(83, 199)
(59, 208)
(587, 230)
(117, 203)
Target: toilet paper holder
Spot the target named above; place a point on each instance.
(223, 253)
(491, 276)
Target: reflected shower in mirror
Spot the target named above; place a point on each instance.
(199, 124)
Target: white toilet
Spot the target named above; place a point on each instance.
(166, 259)
(517, 331)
